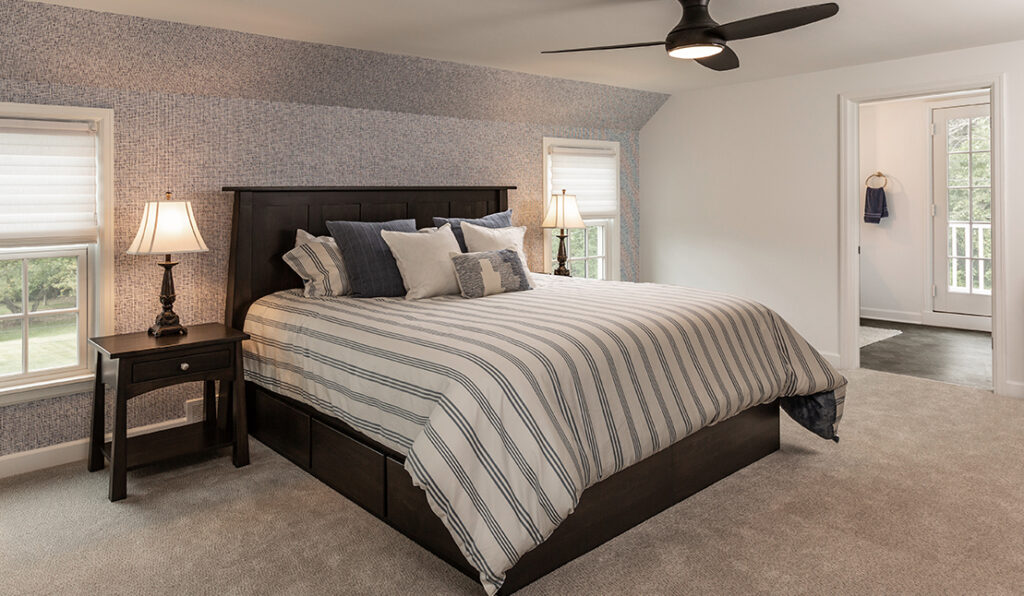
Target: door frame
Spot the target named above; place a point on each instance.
(849, 213)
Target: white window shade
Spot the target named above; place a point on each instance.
(590, 174)
(47, 182)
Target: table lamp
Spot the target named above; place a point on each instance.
(167, 227)
(563, 214)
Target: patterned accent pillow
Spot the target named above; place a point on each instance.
(494, 220)
(484, 273)
(318, 262)
(372, 270)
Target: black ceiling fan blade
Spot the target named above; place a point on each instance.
(724, 60)
(618, 47)
(776, 21)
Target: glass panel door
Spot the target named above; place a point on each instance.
(962, 169)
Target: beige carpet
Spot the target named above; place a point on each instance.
(925, 494)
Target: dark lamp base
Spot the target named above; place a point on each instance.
(562, 255)
(164, 326)
(167, 322)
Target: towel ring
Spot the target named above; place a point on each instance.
(877, 175)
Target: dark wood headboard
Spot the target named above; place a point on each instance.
(265, 220)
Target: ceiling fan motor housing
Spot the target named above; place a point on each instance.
(695, 28)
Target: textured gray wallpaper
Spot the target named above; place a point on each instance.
(197, 108)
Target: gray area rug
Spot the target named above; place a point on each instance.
(872, 335)
(923, 495)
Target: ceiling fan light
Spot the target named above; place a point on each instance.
(695, 51)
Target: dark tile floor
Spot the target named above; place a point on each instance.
(949, 355)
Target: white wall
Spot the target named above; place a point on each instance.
(740, 187)
(894, 260)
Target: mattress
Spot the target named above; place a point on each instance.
(508, 407)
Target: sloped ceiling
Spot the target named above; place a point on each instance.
(509, 34)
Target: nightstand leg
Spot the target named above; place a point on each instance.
(240, 453)
(119, 448)
(209, 404)
(224, 407)
(96, 432)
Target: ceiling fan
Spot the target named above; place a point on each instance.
(699, 37)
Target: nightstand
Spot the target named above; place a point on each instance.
(135, 363)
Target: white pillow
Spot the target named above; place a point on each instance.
(318, 262)
(481, 239)
(424, 261)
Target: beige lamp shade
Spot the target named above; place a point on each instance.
(563, 213)
(167, 227)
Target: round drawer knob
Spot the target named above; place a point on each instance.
(184, 366)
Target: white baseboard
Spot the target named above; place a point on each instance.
(896, 316)
(1012, 389)
(832, 358)
(935, 319)
(945, 319)
(65, 453)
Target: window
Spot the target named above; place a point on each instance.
(41, 304)
(589, 170)
(55, 257)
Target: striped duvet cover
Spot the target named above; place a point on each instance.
(508, 407)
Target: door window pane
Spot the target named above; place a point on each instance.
(982, 242)
(10, 346)
(959, 204)
(959, 169)
(52, 341)
(958, 134)
(981, 134)
(958, 240)
(52, 283)
(981, 275)
(981, 204)
(10, 286)
(981, 169)
(958, 269)
(578, 268)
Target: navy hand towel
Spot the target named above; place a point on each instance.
(874, 205)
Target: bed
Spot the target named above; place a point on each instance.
(511, 434)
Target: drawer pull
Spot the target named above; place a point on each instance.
(184, 366)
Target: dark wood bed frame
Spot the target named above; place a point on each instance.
(372, 475)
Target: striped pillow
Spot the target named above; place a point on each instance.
(318, 262)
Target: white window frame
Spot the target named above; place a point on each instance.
(611, 221)
(96, 303)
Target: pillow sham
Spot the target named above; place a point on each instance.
(424, 260)
(494, 272)
(483, 239)
(318, 262)
(372, 270)
(494, 220)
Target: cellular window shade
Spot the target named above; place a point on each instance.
(590, 174)
(47, 182)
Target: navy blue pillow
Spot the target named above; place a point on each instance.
(372, 270)
(494, 220)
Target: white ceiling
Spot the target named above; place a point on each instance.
(510, 33)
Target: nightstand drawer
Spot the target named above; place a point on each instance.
(187, 364)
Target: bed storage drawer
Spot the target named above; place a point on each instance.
(278, 425)
(409, 511)
(348, 466)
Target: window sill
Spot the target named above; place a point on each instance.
(76, 383)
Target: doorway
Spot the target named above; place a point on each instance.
(918, 287)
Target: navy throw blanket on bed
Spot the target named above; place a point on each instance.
(874, 205)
